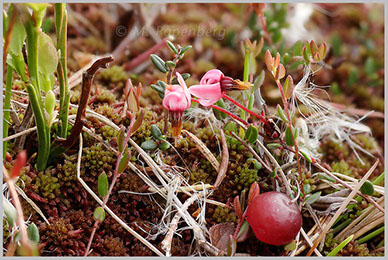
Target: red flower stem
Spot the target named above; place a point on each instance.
(224, 111)
(262, 118)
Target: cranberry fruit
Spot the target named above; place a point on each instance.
(273, 219)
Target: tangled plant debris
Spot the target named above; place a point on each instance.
(136, 130)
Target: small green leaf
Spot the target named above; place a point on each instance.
(251, 134)
(312, 198)
(367, 188)
(155, 132)
(9, 211)
(305, 154)
(290, 246)
(230, 127)
(288, 137)
(159, 63)
(338, 248)
(139, 121)
(188, 47)
(273, 145)
(244, 232)
(121, 139)
(220, 115)
(185, 76)
(149, 145)
(273, 174)
(288, 87)
(172, 47)
(17, 40)
(103, 184)
(170, 64)
(164, 146)
(99, 214)
(159, 90)
(47, 55)
(281, 113)
(324, 176)
(123, 162)
(307, 188)
(33, 233)
(256, 163)
(49, 102)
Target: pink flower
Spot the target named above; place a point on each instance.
(213, 85)
(176, 100)
(177, 97)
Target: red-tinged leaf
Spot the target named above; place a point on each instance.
(133, 101)
(244, 232)
(313, 47)
(253, 192)
(281, 72)
(124, 161)
(288, 87)
(259, 46)
(322, 50)
(139, 90)
(219, 235)
(20, 162)
(268, 60)
(231, 247)
(237, 206)
(316, 57)
(277, 60)
(120, 139)
(139, 121)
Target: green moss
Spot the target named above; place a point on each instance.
(115, 76)
(341, 167)
(222, 215)
(97, 159)
(46, 184)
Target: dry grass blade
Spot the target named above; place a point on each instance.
(344, 204)
(224, 162)
(204, 150)
(345, 232)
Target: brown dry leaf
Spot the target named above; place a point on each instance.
(219, 235)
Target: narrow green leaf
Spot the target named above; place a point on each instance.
(159, 90)
(305, 154)
(281, 113)
(49, 102)
(273, 145)
(139, 120)
(313, 198)
(290, 246)
(273, 173)
(99, 214)
(338, 248)
(288, 137)
(367, 188)
(172, 47)
(188, 47)
(258, 82)
(324, 176)
(123, 162)
(251, 101)
(256, 163)
(159, 63)
(103, 184)
(121, 139)
(18, 36)
(33, 233)
(9, 211)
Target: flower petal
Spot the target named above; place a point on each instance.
(211, 77)
(185, 89)
(206, 91)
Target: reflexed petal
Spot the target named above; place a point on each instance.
(185, 89)
(206, 91)
(211, 77)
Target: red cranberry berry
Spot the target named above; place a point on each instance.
(273, 219)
